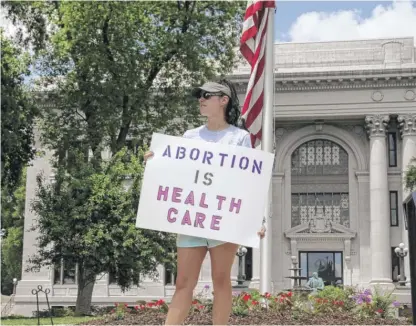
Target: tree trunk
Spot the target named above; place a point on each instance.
(84, 295)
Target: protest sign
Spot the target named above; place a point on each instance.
(204, 189)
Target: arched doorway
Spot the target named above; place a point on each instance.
(319, 185)
(319, 201)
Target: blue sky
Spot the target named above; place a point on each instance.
(337, 20)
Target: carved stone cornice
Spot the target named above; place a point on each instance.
(350, 79)
(407, 123)
(377, 125)
(343, 83)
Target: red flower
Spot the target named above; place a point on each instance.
(200, 307)
(126, 305)
(338, 303)
(282, 299)
(142, 307)
(195, 301)
(136, 308)
(150, 304)
(247, 297)
(267, 295)
(380, 311)
(254, 302)
(289, 294)
(160, 302)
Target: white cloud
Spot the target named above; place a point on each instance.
(393, 20)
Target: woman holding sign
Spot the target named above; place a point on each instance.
(219, 104)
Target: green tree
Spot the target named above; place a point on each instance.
(17, 113)
(87, 218)
(12, 220)
(120, 71)
(410, 176)
(17, 119)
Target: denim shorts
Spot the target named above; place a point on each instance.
(187, 241)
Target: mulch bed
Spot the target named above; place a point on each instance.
(150, 317)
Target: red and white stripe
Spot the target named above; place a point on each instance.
(252, 47)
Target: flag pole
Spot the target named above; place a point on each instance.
(267, 145)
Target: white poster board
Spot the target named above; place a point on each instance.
(204, 189)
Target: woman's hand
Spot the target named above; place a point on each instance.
(262, 232)
(147, 155)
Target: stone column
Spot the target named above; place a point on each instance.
(408, 131)
(255, 280)
(279, 272)
(379, 201)
(364, 227)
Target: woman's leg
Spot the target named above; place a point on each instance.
(222, 258)
(189, 266)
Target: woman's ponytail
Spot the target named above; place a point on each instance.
(232, 111)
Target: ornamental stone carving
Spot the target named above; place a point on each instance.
(410, 95)
(282, 132)
(377, 96)
(407, 123)
(377, 125)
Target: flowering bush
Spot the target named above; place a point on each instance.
(332, 305)
(245, 302)
(377, 304)
(332, 299)
(121, 309)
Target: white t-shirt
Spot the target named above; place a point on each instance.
(230, 135)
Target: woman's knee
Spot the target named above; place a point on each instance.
(221, 279)
(185, 283)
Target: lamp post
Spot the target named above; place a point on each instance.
(401, 252)
(14, 285)
(241, 253)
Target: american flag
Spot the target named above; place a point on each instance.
(252, 47)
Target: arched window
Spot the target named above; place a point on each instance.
(320, 185)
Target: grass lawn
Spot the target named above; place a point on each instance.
(47, 321)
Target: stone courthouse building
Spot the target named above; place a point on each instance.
(345, 130)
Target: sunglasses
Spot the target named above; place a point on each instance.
(208, 95)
